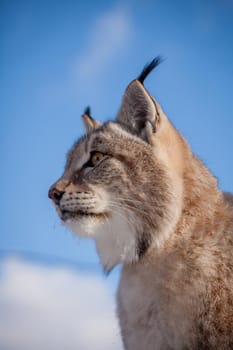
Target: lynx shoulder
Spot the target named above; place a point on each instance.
(150, 204)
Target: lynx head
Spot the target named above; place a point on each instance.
(122, 180)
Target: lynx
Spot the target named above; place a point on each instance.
(151, 205)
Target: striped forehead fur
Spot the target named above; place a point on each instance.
(117, 129)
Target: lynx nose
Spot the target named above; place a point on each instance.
(55, 194)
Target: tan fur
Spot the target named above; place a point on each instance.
(186, 288)
(153, 206)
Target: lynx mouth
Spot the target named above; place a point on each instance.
(65, 215)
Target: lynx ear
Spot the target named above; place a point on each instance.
(89, 122)
(138, 110)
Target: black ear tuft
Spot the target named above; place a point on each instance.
(87, 111)
(149, 67)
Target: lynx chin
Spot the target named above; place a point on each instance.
(136, 188)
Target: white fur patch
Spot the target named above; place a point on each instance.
(116, 241)
(115, 237)
(85, 226)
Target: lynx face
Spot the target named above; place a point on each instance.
(114, 190)
(114, 187)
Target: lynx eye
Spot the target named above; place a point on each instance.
(96, 158)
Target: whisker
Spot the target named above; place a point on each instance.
(128, 206)
(124, 217)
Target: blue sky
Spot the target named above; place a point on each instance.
(57, 57)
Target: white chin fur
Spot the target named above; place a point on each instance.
(84, 227)
(115, 237)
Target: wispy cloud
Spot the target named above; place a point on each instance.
(54, 308)
(108, 37)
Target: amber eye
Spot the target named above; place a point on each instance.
(96, 157)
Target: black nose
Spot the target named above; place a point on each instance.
(55, 194)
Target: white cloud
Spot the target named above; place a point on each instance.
(54, 308)
(108, 37)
